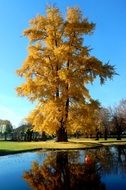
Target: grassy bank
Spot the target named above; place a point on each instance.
(109, 141)
(8, 147)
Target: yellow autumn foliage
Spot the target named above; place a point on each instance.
(57, 70)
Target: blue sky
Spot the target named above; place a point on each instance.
(108, 43)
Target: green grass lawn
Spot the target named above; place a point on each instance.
(9, 147)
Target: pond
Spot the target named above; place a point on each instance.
(91, 169)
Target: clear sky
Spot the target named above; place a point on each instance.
(108, 43)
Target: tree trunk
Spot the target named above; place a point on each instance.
(97, 134)
(105, 133)
(118, 128)
(62, 131)
(5, 136)
(119, 131)
(118, 136)
(62, 134)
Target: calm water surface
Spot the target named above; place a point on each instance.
(92, 169)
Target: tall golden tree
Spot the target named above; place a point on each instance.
(57, 70)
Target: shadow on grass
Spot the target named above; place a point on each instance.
(8, 152)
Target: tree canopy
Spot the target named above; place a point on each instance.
(57, 70)
(5, 126)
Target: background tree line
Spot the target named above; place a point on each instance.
(22, 133)
(113, 120)
(105, 123)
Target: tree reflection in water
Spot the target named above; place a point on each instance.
(77, 169)
(66, 171)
